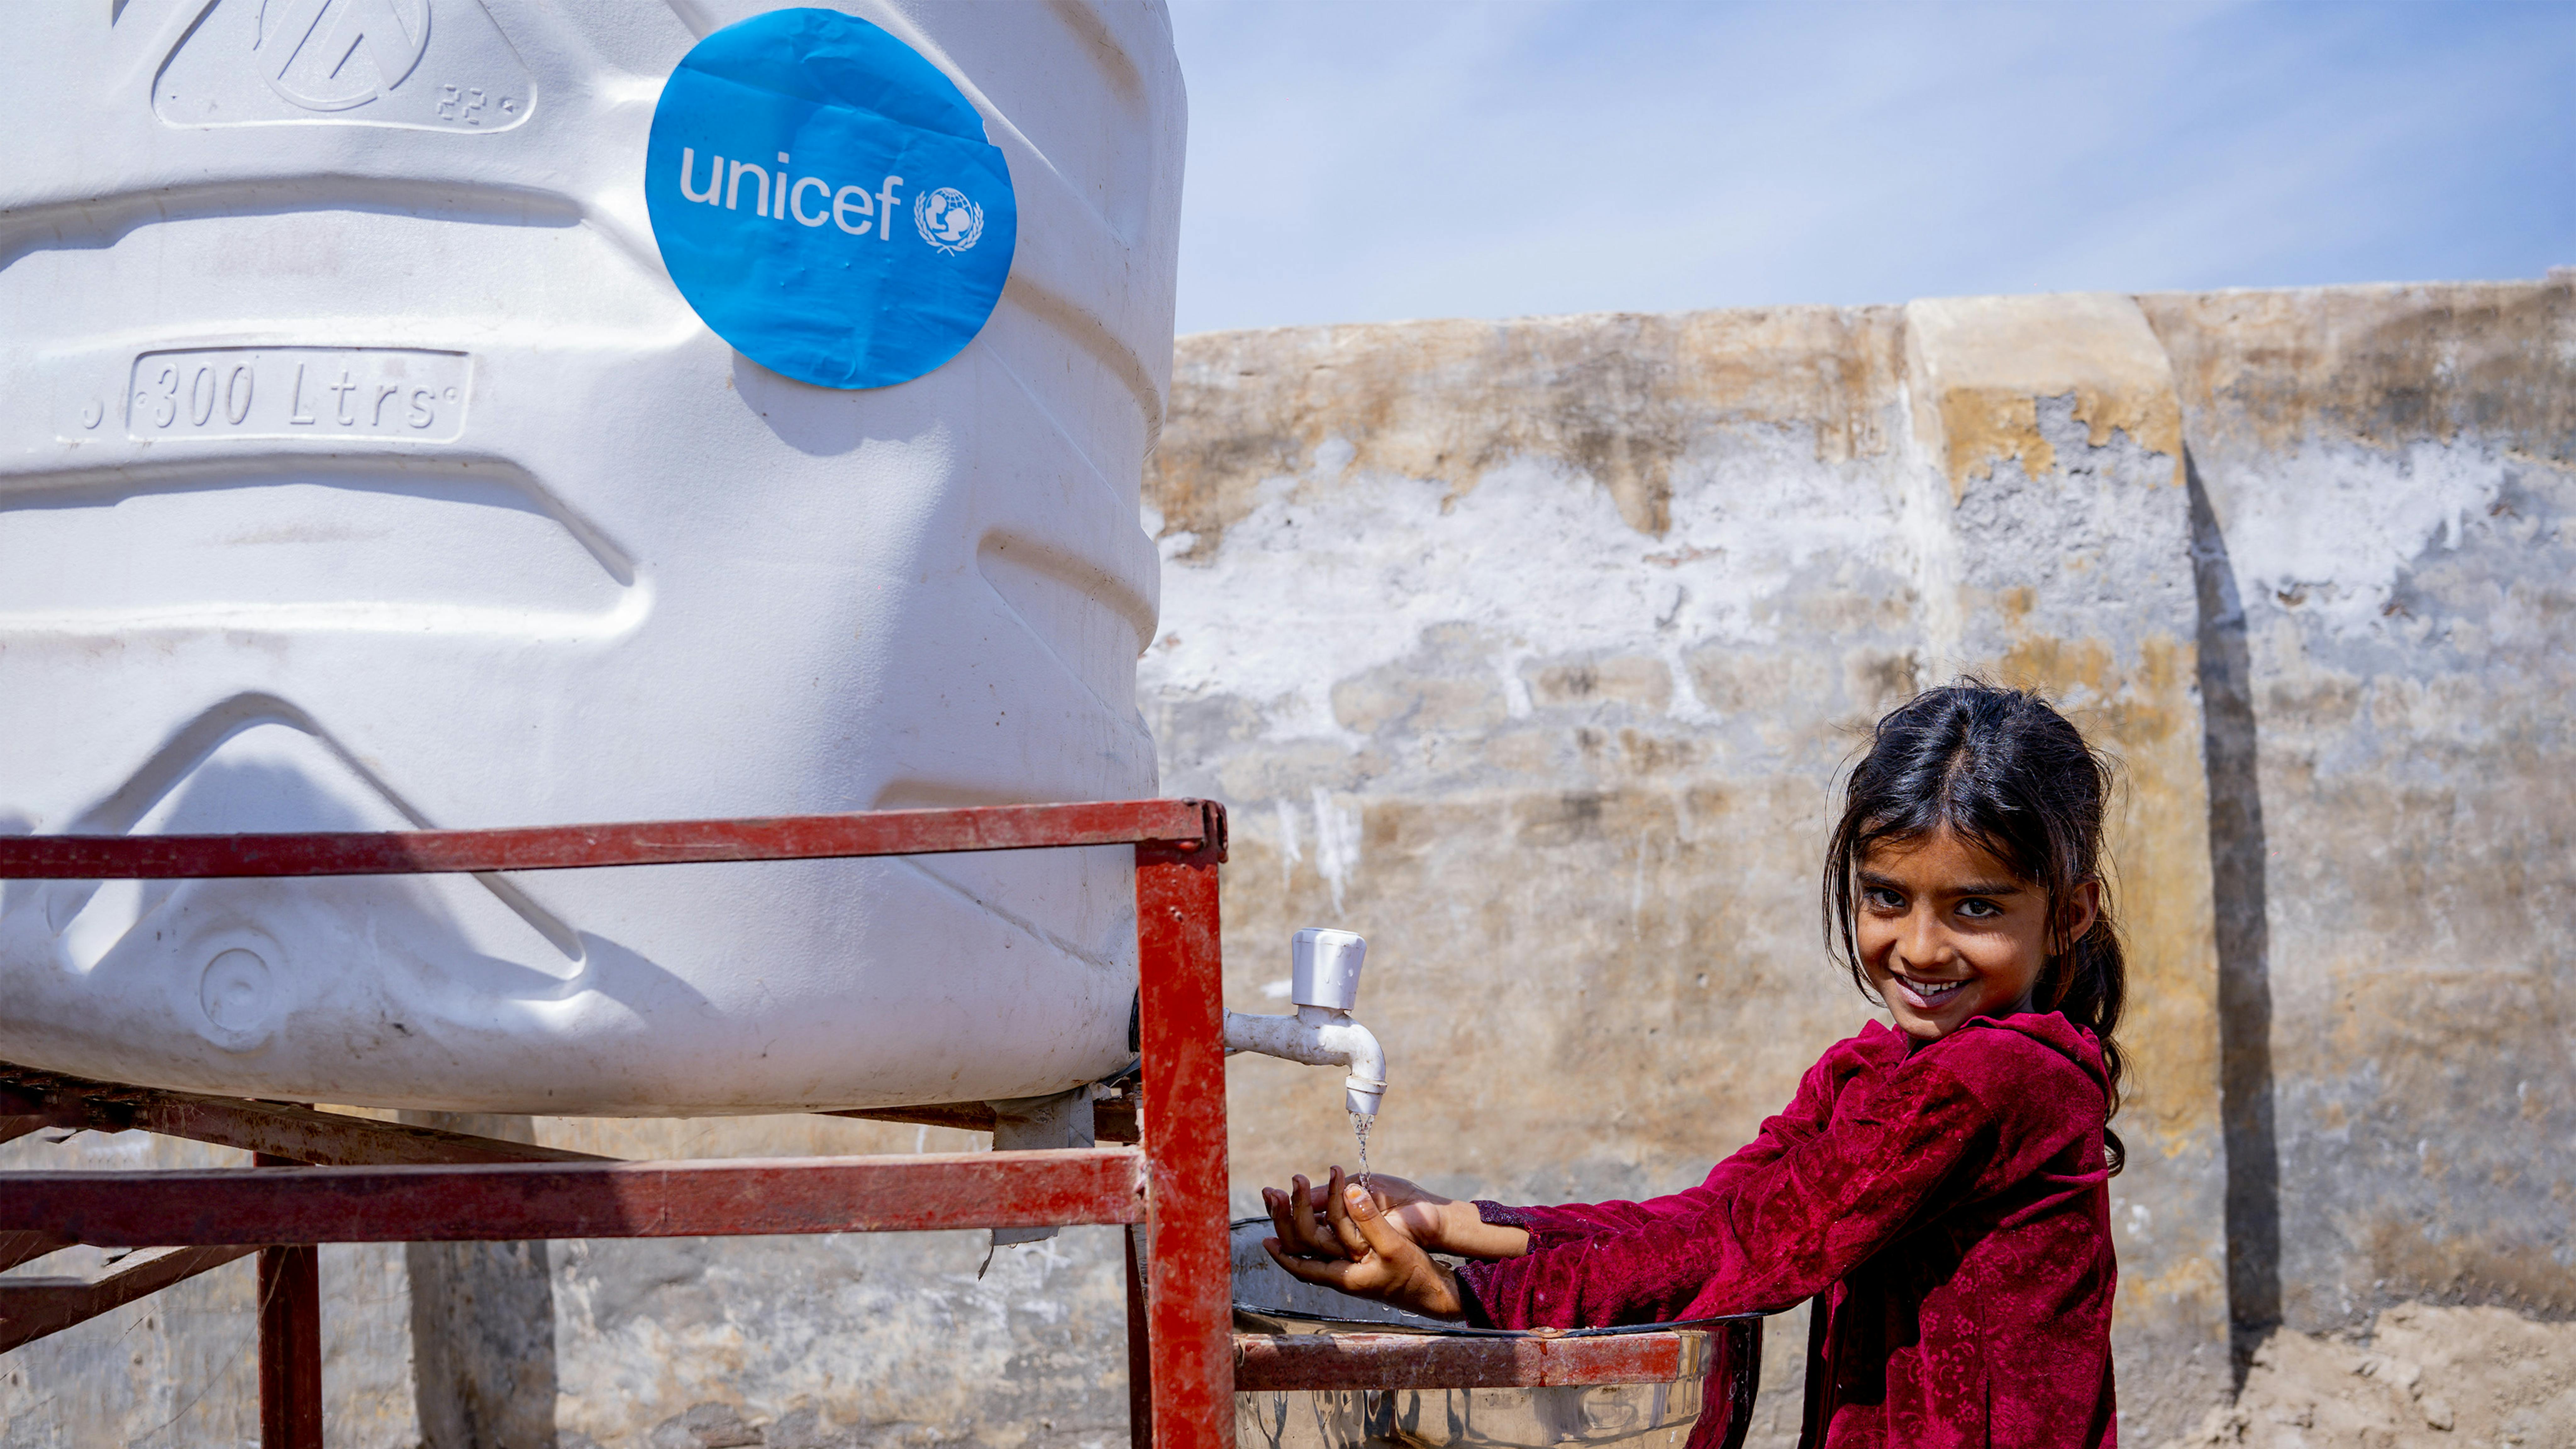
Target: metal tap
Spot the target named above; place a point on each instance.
(1324, 983)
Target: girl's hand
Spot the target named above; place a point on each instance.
(1438, 1224)
(1302, 1214)
(1371, 1258)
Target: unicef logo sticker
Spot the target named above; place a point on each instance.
(947, 219)
(784, 151)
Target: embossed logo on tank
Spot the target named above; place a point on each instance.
(329, 55)
(235, 993)
(432, 65)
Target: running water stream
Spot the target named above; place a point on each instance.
(1361, 1122)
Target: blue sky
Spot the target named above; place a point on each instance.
(1366, 160)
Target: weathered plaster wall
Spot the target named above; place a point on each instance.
(1531, 650)
(2385, 542)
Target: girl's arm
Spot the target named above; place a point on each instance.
(1896, 1151)
(1491, 1231)
(1798, 1122)
(1373, 1246)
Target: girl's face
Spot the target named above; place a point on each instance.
(1947, 932)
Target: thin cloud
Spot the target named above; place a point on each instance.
(1374, 161)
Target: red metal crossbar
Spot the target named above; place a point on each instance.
(39, 1306)
(1182, 824)
(508, 1202)
(1729, 1365)
(1278, 1363)
(32, 1100)
(1183, 1365)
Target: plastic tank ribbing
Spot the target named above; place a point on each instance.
(362, 469)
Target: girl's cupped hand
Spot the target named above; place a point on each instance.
(1301, 1213)
(1358, 1248)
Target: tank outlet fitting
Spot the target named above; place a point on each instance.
(1040, 1124)
(1325, 983)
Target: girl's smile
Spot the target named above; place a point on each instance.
(1927, 995)
(1947, 932)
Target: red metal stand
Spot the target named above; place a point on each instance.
(363, 1181)
(1189, 1275)
(325, 1178)
(290, 1348)
(290, 1340)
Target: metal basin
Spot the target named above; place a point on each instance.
(1674, 1386)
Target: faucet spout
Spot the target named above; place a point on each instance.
(1365, 1086)
(1318, 1036)
(1324, 981)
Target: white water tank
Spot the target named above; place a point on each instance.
(361, 468)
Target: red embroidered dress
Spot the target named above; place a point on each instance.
(1945, 1204)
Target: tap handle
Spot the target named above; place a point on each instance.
(1324, 967)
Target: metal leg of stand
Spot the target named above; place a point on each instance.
(290, 1342)
(290, 1348)
(1140, 1355)
(1189, 1279)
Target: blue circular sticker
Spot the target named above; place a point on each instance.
(826, 200)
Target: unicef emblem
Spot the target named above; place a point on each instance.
(775, 178)
(948, 221)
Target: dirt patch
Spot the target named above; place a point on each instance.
(2422, 1376)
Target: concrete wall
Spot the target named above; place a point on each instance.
(1531, 650)
(2384, 490)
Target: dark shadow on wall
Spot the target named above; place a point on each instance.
(2236, 853)
(482, 1327)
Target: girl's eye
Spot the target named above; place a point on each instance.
(1979, 910)
(1883, 898)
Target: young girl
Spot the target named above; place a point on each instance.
(1938, 1190)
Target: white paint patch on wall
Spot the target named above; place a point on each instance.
(1336, 573)
(2331, 529)
(1289, 854)
(1927, 531)
(1337, 841)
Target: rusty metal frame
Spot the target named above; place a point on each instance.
(1273, 1363)
(513, 1201)
(37, 1307)
(1330, 1362)
(1113, 1119)
(33, 1100)
(326, 1177)
(1182, 825)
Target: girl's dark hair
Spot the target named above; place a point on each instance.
(2007, 773)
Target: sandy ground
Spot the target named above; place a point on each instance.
(2422, 1376)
